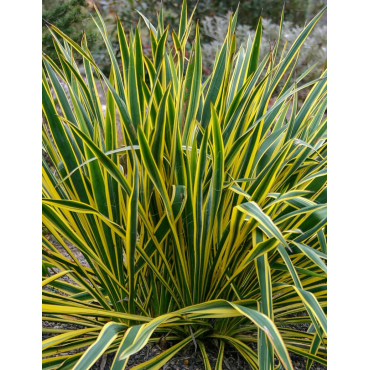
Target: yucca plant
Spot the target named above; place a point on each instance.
(208, 225)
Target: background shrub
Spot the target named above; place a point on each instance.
(313, 51)
(70, 16)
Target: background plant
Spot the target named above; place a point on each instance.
(213, 27)
(208, 224)
(296, 11)
(70, 16)
(312, 52)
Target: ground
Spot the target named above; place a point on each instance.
(186, 359)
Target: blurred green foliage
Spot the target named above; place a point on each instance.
(296, 11)
(250, 11)
(73, 18)
(69, 16)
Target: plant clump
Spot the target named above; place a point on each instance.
(207, 226)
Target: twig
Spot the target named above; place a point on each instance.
(103, 362)
(194, 341)
(226, 363)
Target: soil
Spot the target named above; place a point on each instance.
(187, 358)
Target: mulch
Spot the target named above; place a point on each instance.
(186, 359)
